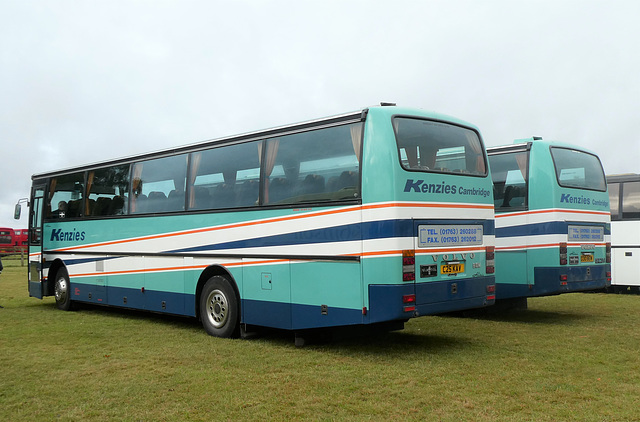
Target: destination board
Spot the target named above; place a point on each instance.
(430, 235)
(586, 234)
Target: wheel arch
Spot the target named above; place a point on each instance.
(212, 271)
(56, 266)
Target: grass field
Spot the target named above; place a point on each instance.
(569, 357)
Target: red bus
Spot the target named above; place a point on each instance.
(21, 239)
(13, 240)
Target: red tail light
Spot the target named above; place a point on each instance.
(408, 265)
(490, 256)
(491, 252)
(408, 257)
(563, 253)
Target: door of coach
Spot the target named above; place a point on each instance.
(36, 285)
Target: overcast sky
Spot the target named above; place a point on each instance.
(85, 81)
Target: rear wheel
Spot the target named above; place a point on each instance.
(219, 308)
(62, 290)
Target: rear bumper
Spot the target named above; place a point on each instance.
(386, 301)
(547, 281)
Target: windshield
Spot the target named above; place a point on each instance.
(578, 169)
(425, 145)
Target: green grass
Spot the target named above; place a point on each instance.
(569, 357)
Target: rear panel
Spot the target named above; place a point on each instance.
(434, 216)
(553, 235)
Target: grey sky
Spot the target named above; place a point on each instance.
(84, 81)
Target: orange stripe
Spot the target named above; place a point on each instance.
(453, 249)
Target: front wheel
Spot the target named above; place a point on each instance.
(219, 308)
(62, 290)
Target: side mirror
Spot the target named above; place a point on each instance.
(17, 212)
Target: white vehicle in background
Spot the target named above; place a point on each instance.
(624, 195)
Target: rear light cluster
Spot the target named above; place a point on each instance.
(409, 302)
(563, 253)
(491, 259)
(608, 252)
(408, 265)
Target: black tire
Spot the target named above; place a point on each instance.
(219, 308)
(62, 290)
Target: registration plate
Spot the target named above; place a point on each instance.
(452, 268)
(586, 257)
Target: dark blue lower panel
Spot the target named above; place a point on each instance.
(547, 281)
(297, 317)
(35, 289)
(266, 314)
(385, 301)
(150, 300)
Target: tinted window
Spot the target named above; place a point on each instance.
(159, 185)
(631, 200)
(426, 145)
(107, 191)
(614, 200)
(5, 237)
(65, 196)
(314, 166)
(578, 169)
(509, 172)
(225, 177)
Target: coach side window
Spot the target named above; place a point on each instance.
(65, 196)
(107, 191)
(631, 200)
(614, 200)
(159, 185)
(225, 177)
(509, 172)
(315, 166)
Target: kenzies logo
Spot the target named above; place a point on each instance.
(60, 236)
(572, 199)
(443, 188)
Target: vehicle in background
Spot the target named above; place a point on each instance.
(12, 241)
(552, 220)
(624, 195)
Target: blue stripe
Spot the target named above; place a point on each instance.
(350, 232)
(554, 227)
(69, 262)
